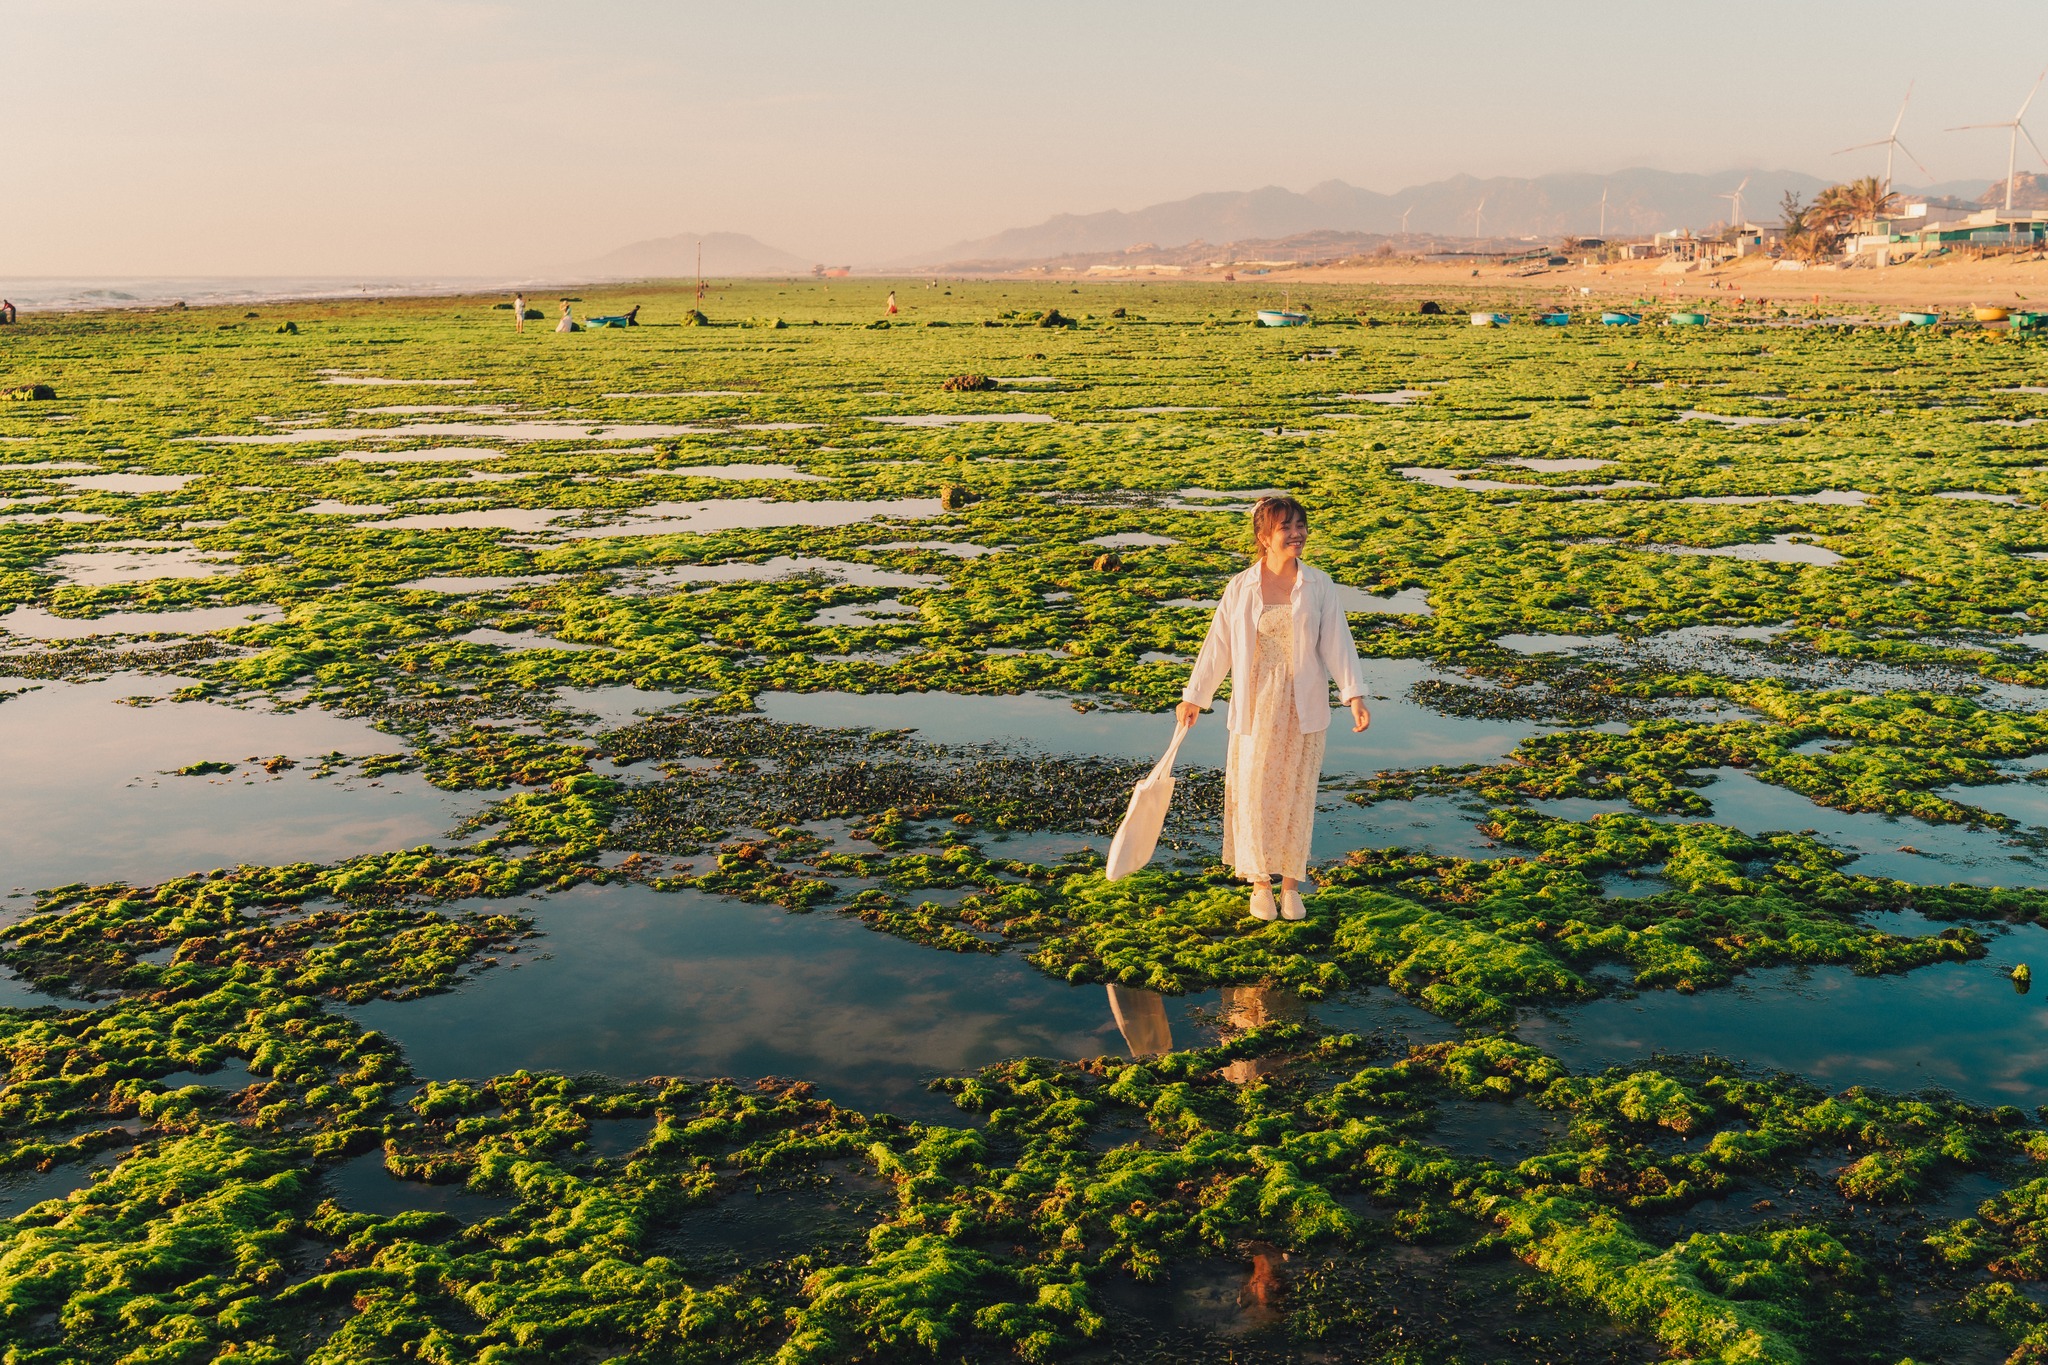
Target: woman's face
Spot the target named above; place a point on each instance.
(1287, 537)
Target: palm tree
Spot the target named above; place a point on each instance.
(1809, 228)
(1868, 200)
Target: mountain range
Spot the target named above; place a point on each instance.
(1334, 215)
(725, 254)
(1638, 202)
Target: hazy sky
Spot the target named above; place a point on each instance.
(415, 136)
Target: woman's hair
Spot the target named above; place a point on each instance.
(1268, 513)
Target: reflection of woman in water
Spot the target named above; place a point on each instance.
(1141, 1017)
(1280, 635)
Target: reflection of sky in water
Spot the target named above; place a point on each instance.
(1947, 852)
(33, 623)
(1961, 1026)
(1403, 734)
(84, 797)
(642, 983)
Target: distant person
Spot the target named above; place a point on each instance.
(7, 312)
(1281, 636)
(519, 312)
(567, 324)
(891, 309)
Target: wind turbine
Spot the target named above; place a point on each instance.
(1892, 144)
(1603, 213)
(1735, 206)
(2012, 142)
(1475, 217)
(1404, 219)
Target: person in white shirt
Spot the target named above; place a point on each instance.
(1281, 637)
(519, 312)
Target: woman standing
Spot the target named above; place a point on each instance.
(1280, 635)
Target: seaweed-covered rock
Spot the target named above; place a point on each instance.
(969, 383)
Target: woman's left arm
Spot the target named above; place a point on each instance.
(1339, 653)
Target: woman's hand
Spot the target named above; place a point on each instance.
(1360, 717)
(1186, 713)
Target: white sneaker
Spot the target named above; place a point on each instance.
(1262, 902)
(1291, 906)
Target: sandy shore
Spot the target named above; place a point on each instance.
(1948, 283)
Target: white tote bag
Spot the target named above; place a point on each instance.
(1138, 835)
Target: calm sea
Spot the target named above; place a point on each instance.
(53, 293)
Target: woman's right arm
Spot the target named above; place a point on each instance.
(1211, 665)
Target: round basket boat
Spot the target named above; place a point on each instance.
(1688, 319)
(1554, 319)
(1489, 319)
(1619, 319)
(1919, 319)
(1992, 314)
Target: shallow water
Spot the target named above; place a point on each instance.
(1470, 481)
(33, 623)
(85, 795)
(862, 613)
(644, 983)
(1971, 495)
(499, 431)
(129, 483)
(1781, 549)
(787, 472)
(97, 568)
(1946, 853)
(1403, 734)
(1960, 1026)
(727, 514)
(952, 419)
(522, 639)
(441, 455)
(784, 566)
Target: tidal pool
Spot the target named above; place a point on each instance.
(953, 419)
(1780, 549)
(129, 483)
(500, 431)
(87, 794)
(727, 514)
(1403, 734)
(442, 455)
(1472, 481)
(127, 564)
(33, 623)
(1958, 1026)
(785, 566)
(633, 982)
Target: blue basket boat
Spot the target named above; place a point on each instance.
(1553, 319)
(1489, 319)
(1619, 319)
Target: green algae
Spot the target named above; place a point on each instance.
(214, 1239)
